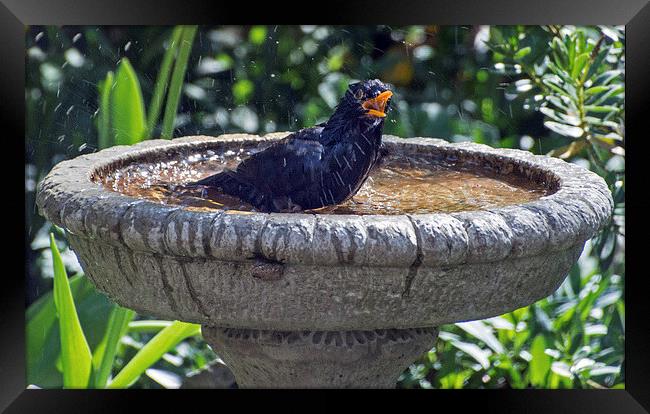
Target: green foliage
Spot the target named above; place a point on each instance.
(105, 136)
(127, 117)
(80, 367)
(572, 339)
(577, 83)
(163, 79)
(118, 324)
(75, 353)
(166, 339)
(178, 76)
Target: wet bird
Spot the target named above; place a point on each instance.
(314, 167)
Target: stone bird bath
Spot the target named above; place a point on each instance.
(318, 300)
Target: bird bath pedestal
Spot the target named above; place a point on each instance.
(317, 300)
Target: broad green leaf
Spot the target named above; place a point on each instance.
(164, 341)
(162, 80)
(540, 364)
(118, 324)
(127, 106)
(105, 139)
(75, 352)
(43, 341)
(178, 76)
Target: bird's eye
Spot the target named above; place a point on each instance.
(359, 94)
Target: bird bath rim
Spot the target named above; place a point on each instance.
(578, 208)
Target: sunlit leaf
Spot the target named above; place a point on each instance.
(76, 358)
(540, 364)
(105, 138)
(128, 121)
(521, 53)
(579, 64)
(103, 359)
(562, 129)
(601, 109)
(176, 84)
(164, 341)
(42, 334)
(482, 331)
(162, 80)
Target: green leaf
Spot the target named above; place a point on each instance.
(601, 109)
(148, 326)
(482, 331)
(521, 53)
(540, 364)
(118, 324)
(614, 91)
(579, 65)
(176, 85)
(606, 77)
(43, 340)
(164, 341)
(596, 90)
(127, 106)
(163, 79)
(103, 126)
(562, 129)
(75, 352)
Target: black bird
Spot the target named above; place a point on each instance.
(314, 167)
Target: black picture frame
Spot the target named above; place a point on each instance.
(634, 14)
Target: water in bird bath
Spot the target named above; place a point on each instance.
(400, 185)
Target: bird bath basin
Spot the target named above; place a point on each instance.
(343, 298)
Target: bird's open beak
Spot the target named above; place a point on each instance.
(376, 106)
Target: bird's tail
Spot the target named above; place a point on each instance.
(231, 183)
(227, 181)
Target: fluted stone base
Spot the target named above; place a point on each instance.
(319, 359)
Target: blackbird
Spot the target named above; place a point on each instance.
(314, 167)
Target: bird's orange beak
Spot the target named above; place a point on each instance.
(376, 106)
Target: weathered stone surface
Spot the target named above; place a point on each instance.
(319, 359)
(325, 272)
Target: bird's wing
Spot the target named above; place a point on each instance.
(287, 165)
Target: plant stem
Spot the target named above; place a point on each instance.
(173, 98)
(163, 80)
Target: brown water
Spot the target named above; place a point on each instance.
(397, 187)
